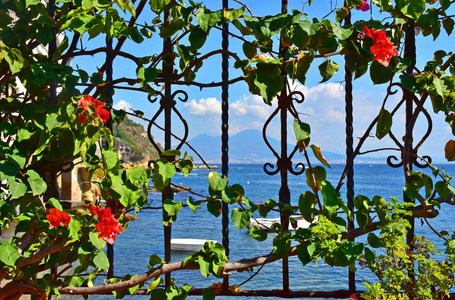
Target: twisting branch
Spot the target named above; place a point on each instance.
(196, 61)
(244, 5)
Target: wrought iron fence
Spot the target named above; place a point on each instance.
(283, 166)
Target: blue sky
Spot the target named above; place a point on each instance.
(323, 108)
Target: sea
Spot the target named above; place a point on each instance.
(145, 235)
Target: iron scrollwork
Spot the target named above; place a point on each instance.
(392, 160)
(183, 98)
(284, 163)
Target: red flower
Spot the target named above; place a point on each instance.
(88, 101)
(107, 226)
(82, 118)
(57, 217)
(103, 114)
(382, 49)
(363, 6)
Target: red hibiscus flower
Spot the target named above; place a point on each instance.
(57, 217)
(107, 226)
(363, 6)
(382, 49)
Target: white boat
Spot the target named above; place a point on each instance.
(267, 223)
(193, 245)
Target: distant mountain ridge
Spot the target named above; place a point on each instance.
(248, 146)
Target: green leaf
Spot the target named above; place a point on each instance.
(374, 241)
(110, 158)
(380, 74)
(186, 166)
(158, 5)
(208, 294)
(232, 14)
(8, 170)
(442, 189)
(257, 233)
(197, 38)
(36, 183)
(16, 188)
(361, 218)
(137, 176)
(327, 69)
(307, 200)
(344, 32)
(14, 59)
(249, 50)
(74, 227)
(413, 8)
(171, 207)
(53, 122)
(96, 240)
(301, 130)
(370, 258)
(305, 253)
(154, 284)
(216, 182)
(171, 152)
(207, 19)
(329, 195)
(282, 243)
(448, 25)
(384, 124)
(9, 254)
(194, 205)
(101, 260)
(214, 207)
(240, 218)
(155, 260)
(444, 86)
(268, 80)
(135, 35)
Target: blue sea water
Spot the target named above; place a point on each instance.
(145, 236)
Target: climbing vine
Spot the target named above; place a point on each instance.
(55, 115)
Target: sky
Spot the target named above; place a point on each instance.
(323, 107)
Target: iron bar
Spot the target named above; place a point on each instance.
(225, 134)
(167, 103)
(283, 162)
(109, 124)
(409, 51)
(349, 151)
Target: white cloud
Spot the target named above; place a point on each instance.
(122, 104)
(251, 105)
(204, 107)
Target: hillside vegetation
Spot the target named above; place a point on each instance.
(131, 142)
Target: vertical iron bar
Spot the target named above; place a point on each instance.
(284, 193)
(109, 124)
(225, 134)
(349, 151)
(51, 175)
(167, 102)
(409, 51)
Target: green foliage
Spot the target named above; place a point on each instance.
(408, 273)
(41, 131)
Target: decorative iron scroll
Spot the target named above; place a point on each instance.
(394, 161)
(152, 99)
(284, 162)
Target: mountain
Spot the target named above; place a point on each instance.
(131, 142)
(249, 147)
